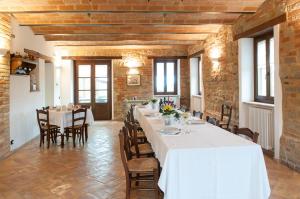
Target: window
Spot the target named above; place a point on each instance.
(84, 83)
(165, 77)
(264, 68)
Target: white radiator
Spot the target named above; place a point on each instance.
(262, 121)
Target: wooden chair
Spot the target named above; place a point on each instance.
(253, 136)
(86, 127)
(198, 114)
(130, 118)
(46, 108)
(138, 149)
(78, 125)
(141, 137)
(46, 129)
(139, 169)
(212, 120)
(183, 108)
(226, 114)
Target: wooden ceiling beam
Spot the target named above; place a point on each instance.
(127, 12)
(127, 29)
(128, 19)
(217, 22)
(124, 43)
(120, 37)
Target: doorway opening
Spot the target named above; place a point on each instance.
(92, 87)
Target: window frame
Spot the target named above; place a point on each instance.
(268, 98)
(165, 61)
(199, 75)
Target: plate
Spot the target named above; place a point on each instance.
(150, 115)
(170, 131)
(197, 121)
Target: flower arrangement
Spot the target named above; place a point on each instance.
(153, 100)
(168, 109)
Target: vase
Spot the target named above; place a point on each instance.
(153, 106)
(167, 120)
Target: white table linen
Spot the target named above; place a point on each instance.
(64, 118)
(208, 163)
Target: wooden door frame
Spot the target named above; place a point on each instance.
(93, 63)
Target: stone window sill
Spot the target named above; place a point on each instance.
(260, 105)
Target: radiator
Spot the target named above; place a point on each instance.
(262, 121)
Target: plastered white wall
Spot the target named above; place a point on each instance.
(23, 103)
(67, 82)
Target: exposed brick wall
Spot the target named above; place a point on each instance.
(220, 81)
(290, 78)
(120, 89)
(4, 86)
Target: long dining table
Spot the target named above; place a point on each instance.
(208, 162)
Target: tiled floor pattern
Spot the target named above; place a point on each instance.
(94, 171)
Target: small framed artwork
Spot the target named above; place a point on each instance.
(133, 80)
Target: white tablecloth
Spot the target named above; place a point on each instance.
(64, 118)
(208, 163)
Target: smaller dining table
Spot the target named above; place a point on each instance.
(63, 118)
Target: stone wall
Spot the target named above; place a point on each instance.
(121, 90)
(289, 70)
(290, 77)
(220, 72)
(269, 10)
(185, 82)
(4, 86)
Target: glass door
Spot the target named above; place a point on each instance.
(93, 87)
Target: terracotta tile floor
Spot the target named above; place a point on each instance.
(94, 171)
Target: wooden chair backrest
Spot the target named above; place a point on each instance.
(131, 112)
(43, 118)
(127, 143)
(246, 132)
(128, 117)
(131, 133)
(226, 112)
(123, 151)
(212, 120)
(46, 108)
(85, 106)
(79, 117)
(135, 140)
(198, 114)
(129, 127)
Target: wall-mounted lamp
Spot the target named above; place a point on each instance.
(132, 62)
(133, 71)
(215, 55)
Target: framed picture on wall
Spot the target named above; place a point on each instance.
(133, 80)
